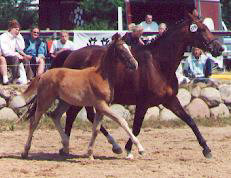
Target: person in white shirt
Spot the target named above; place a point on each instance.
(3, 69)
(12, 44)
(60, 45)
(149, 25)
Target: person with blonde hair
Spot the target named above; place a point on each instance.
(162, 28)
(60, 45)
(133, 38)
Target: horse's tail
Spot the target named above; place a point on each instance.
(21, 100)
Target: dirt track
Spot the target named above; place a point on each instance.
(169, 153)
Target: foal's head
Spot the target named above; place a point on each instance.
(202, 37)
(122, 52)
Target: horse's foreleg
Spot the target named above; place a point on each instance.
(115, 147)
(95, 131)
(56, 116)
(137, 124)
(122, 122)
(175, 106)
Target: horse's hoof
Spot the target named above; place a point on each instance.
(24, 155)
(91, 158)
(207, 154)
(141, 152)
(63, 153)
(129, 155)
(117, 150)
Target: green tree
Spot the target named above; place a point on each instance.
(226, 12)
(101, 14)
(17, 9)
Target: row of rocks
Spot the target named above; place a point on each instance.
(199, 101)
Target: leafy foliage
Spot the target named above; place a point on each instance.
(226, 12)
(17, 9)
(101, 13)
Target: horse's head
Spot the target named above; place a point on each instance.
(202, 37)
(123, 53)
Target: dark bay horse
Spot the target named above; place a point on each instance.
(155, 81)
(93, 86)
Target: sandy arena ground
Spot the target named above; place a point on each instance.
(169, 153)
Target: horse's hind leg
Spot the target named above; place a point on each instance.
(175, 106)
(56, 116)
(71, 113)
(95, 131)
(104, 108)
(115, 146)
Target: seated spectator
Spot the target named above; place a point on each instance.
(35, 51)
(3, 69)
(133, 39)
(60, 45)
(162, 28)
(131, 26)
(197, 65)
(12, 45)
(149, 25)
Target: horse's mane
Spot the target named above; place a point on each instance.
(160, 38)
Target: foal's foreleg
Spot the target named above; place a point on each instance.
(175, 106)
(115, 146)
(95, 131)
(122, 122)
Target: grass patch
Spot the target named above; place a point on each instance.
(47, 123)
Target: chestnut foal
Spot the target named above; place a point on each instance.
(92, 86)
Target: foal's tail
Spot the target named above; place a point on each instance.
(21, 100)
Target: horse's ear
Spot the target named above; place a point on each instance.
(116, 37)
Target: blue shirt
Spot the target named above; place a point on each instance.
(195, 67)
(31, 49)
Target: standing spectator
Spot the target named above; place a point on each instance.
(12, 45)
(60, 45)
(197, 65)
(162, 28)
(133, 39)
(35, 52)
(149, 25)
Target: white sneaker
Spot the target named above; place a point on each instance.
(21, 81)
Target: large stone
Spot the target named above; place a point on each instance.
(220, 111)
(211, 96)
(184, 97)
(152, 113)
(8, 114)
(132, 109)
(225, 92)
(167, 115)
(196, 91)
(2, 103)
(198, 109)
(121, 111)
